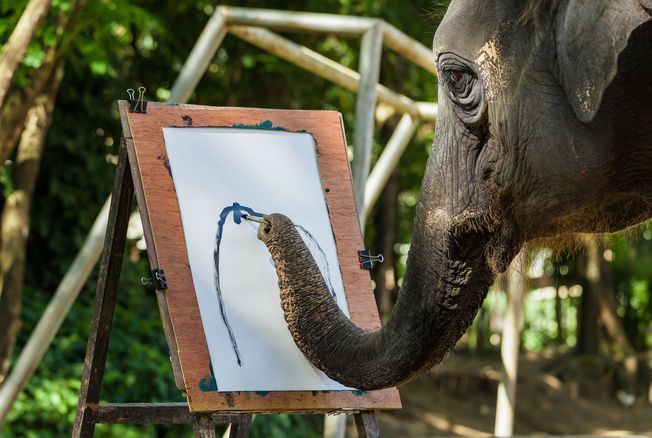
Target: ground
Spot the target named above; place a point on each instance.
(559, 395)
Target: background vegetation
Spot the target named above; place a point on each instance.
(103, 47)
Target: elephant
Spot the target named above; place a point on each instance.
(544, 130)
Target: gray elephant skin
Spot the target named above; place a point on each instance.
(544, 130)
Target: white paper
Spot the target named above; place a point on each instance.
(270, 172)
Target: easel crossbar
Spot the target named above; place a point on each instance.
(149, 413)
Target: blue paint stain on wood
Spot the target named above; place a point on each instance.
(262, 393)
(266, 125)
(359, 393)
(208, 383)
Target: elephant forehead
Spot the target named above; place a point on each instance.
(470, 27)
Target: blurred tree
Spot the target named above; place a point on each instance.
(30, 113)
(588, 321)
(21, 36)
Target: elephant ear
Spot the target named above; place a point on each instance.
(591, 34)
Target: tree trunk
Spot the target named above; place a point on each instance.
(621, 347)
(483, 331)
(14, 111)
(385, 274)
(588, 327)
(15, 217)
(18, 42)
(19, 102)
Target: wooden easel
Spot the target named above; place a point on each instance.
(89, 410)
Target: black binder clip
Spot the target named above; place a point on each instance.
(137, 105)
(158, 277)
(367, 260)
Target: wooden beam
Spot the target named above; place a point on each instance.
(387, 162)
(365, 112)
(320, 65)
(199, 59)
(344, 25)
(409, 48)
(298, 21)
(149, 413)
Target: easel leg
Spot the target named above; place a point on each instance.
(367, 424)
(203, 426)
(242, 428)
(105, 298)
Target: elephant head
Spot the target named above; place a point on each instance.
(544, 129)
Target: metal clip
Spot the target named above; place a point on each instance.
(158, 277)
(137, 105)
(367, 260)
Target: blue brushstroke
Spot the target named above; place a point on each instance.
(237, 210)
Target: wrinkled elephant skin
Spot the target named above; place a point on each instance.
(544, 129)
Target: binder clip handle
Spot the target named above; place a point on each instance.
(137, 105)
(367, 260)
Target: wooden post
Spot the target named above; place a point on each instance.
(203, 426)
(387, 162)
(365, 111)
(506, 402)
(366, 424)
(242, 428)
(200, 57)
(107, 287)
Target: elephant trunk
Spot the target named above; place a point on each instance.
(442, 291)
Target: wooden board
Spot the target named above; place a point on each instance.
(166, 247)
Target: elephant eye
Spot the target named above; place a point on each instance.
(459, 82)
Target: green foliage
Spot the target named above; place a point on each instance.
(632, 256)
(287, 426)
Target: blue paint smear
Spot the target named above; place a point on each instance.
(208, 383)
(266, 125)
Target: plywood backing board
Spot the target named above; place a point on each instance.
(164, 234)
